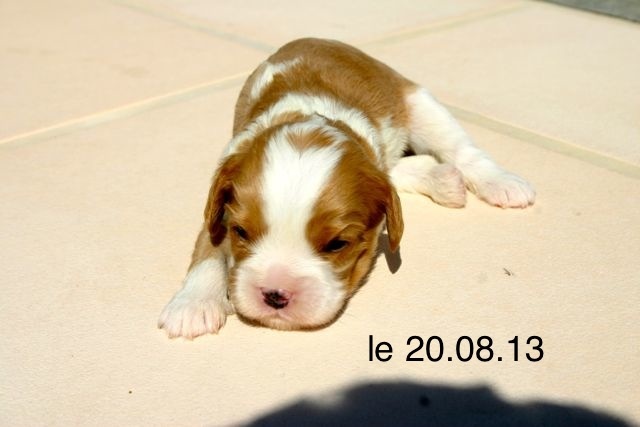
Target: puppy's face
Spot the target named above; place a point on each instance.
(300, 207)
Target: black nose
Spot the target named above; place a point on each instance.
(275, 298)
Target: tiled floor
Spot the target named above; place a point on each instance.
(113, 116)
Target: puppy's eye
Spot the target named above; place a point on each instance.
(240, 232)
(335, 245)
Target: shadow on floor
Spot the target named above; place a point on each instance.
(624, 9)
(414, 404)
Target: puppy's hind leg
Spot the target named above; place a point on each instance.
(424, 175)
(434, 131)
(201, 306)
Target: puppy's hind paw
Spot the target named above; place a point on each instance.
(448, 189)
(189, 317)
(505, 190)
(423, 175)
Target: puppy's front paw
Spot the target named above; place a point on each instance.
(190, 316)
(504, 189)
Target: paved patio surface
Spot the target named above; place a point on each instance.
(114, 114)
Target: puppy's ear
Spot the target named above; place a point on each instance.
(220, 194)
(381, 191)
(395, 225)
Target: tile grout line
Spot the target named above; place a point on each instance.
(543, 141)
(547, 142)
(194, 24)
(126, 110)
(140, 106)
(445, 24)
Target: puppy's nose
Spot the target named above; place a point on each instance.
(276, 298)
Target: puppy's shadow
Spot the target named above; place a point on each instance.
(393, 259)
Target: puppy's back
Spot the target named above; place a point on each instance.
(329, 69)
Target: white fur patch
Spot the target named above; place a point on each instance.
(434, 130)
(394, 140)
(292, 180)
(201, 306)
(265, 79)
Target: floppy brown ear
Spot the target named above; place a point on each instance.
(220, 193)
(395, 225)
(380, 190)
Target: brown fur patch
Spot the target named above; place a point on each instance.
(235, 197)
(316, 138)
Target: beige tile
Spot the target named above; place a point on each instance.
(556, 71)
(97, 236)
(276, 22)
(61, 60)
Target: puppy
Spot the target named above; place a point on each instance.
(309, 180)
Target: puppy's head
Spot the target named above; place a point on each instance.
(301, 206)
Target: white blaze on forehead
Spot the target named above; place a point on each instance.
(292, 180)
